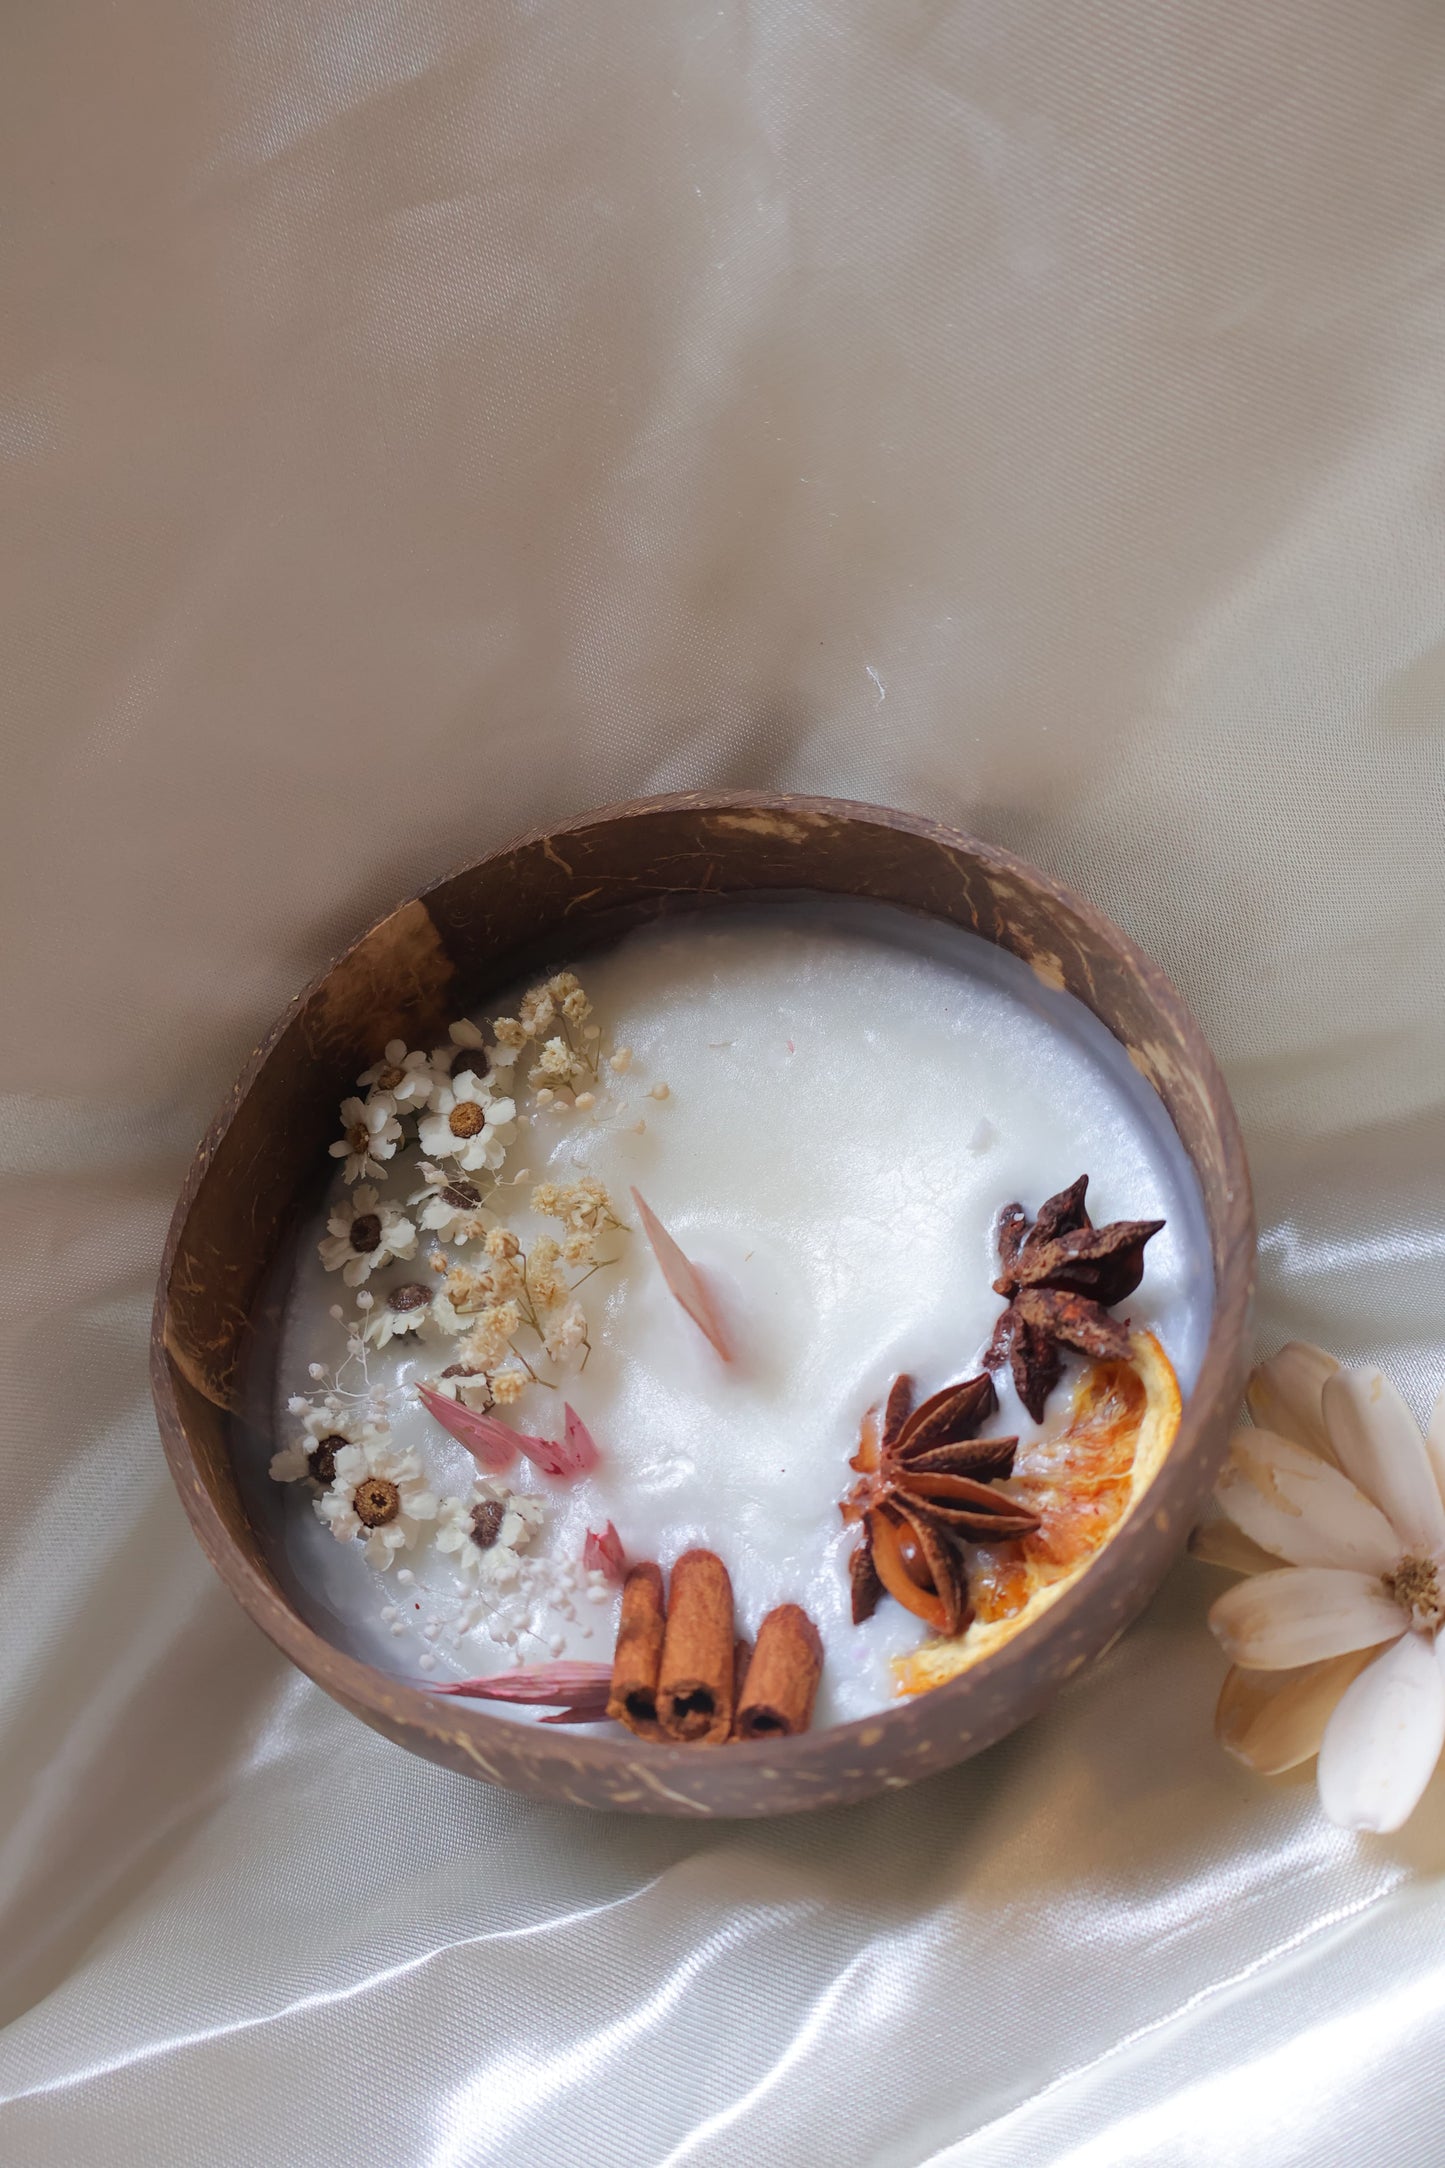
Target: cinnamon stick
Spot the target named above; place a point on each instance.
(782, 1682)
(637, 1658)
(695, 1688)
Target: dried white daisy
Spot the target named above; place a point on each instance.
(379, 1496)
(465, 1383)
(370, 1135)
(403, 1309)
(466, 1049)
(1337, 1652)
(449, 1203)
(407, 1078)
(465, 1124)
(484, 1532)
(311, 1458)
(362, 1234)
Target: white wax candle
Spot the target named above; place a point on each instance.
(853, 1095)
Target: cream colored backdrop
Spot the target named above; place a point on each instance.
(419, 418)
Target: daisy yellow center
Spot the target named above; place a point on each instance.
(358, 1136)
(391, 1076)
(375, 1501)
(365, 1233)
(411, 1297)
(461, 1196)
(466, 1118)
(1415, 1586)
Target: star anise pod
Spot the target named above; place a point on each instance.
(923, 1489)
(1062, 1276)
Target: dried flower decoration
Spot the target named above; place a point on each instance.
(685, 1282)
(451, 1203)
(363, 1234)
(604, 1554)
(465, 1123)
(466, 1050)
(491, 1444)
(578, 1692)
(370, 1136)
(311, 1458)
(379, 1497)
(408, 1079)
(1337, 1651)
(485, 1532)
(403, 1309)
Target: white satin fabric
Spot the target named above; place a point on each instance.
(421, 419)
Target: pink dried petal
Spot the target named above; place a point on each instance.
(489, 1442)
(604, 1554)
(683, 1278)
(578, 1441)
(548, 1455)
(580, 1690)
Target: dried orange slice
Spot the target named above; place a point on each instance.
(1082, 1481)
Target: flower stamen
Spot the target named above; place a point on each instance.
(1415, 1586)
(321, 1460)
(376, 1501)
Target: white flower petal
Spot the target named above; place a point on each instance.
(1435, 1443)
(1302, 1508)
(1274, 1720)
(1284, 1395)
(1376, 1442)
(1302, 1614)
(1382, 1743)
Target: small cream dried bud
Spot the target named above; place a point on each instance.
(621, 1060)
(585, 1102)
(545, 1096)
(592, 1031)
(537, 1012)
(660, 1091)
(501, 1242)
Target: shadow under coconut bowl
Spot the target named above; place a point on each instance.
(542, 901)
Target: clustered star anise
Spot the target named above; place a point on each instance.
(1062, 1276)
(923, 1489)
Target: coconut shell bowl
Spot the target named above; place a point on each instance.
(539, 901)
